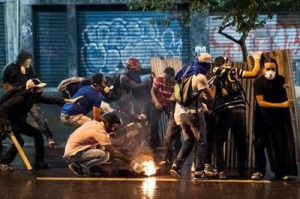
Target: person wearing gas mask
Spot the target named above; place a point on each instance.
(136, 92)
(15, 111)
(89, 146)
(75, 114)
(229, 111)
(272, 126)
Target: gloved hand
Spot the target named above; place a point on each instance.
(5, 127)
(138, 168)
(142, 116)
(256, 55)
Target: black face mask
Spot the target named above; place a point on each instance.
(134, 75)
(36, 94)
(108, 128)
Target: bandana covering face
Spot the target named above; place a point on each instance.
(270, 74)
(195, 69)
(135, 75)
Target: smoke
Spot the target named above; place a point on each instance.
(140, 152)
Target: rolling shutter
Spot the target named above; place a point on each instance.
(280, 32)
(106, 39)
(51, 57)
(2, 38)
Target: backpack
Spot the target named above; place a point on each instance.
(182, 90)
(70, 86)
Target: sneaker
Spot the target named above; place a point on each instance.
(199, 174)
(164, 163)
(210, 170)
(76, 168)
(257, 176)
(175, 171)
(41, 165)
(222, 175)
(51, 142)
(6, 168)
(193, 168)
(282, 177)
(285, 178)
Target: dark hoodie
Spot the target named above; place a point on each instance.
(22, 57)
(12, 72)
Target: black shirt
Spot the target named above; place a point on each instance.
(16, 108)
(221, 101)
(12, 75)
(272, 91)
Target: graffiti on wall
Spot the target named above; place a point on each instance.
(26, 30)
(275, 35)
(106, 45)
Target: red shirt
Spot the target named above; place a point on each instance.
(164, 90)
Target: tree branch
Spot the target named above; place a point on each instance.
(221, 28)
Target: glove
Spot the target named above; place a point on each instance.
(138, 168)
(5, 127)
(256, 55)
(142, 117)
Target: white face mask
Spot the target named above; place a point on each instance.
(270, 74)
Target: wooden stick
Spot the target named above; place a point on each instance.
(20, 150)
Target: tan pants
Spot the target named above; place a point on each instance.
(74, 120)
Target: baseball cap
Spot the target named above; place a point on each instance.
(205, 57)
(34, 82)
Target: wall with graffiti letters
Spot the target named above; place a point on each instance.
(105, 42)
(280, 32)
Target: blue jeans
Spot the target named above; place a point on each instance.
(234, 119)
(155, 116)
(90, 157)
(194, 134)
(172, 137)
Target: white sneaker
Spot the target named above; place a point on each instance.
(6, 168)
(257, 176)
(210, 170)
(193, 168)
(51, 142)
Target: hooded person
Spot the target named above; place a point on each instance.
(136, 96)
(15, 76)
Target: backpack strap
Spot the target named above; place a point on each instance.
(242, 89)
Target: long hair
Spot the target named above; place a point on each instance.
(271, 60)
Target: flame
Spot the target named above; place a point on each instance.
(148, 187)
(149, 167)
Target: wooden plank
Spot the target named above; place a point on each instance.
(158, 64)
